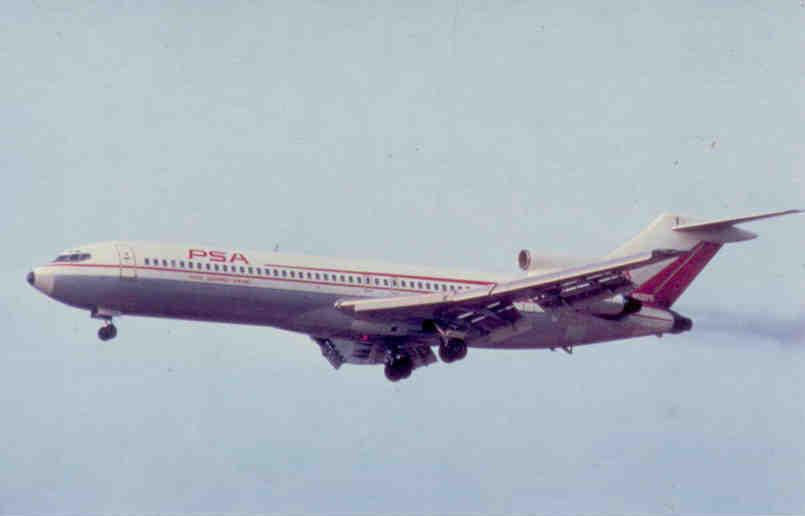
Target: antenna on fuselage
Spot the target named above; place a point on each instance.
(276, 247)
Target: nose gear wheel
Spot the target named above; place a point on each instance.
(107, 332)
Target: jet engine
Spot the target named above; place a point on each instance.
(535, 263)
(615, 307)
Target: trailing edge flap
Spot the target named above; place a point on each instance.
(596, 277)
(724, 230)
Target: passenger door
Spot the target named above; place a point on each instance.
(128, 262)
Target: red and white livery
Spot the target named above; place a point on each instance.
(372, 313)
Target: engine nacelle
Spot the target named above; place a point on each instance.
(615, 307)
(658, 320)
(531, 261)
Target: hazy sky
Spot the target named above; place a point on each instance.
(450, 135)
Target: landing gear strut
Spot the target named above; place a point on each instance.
(451, 350)
(107, 331)
(398, 367)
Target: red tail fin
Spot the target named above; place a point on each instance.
(665, 287)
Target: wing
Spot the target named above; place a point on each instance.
(494, 304)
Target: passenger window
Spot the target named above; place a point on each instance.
(181, 264)
(403, 283)
(377, 281)
(251, 271)
(225, 268)
(326, 277)
(342, 279)
(317, 276)
(385, 282)
(216, 266)
(164, 263)
(284, 273)
(242, 269)
(146, 261)
(208, 266)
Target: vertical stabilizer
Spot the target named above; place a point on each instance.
(662, 283)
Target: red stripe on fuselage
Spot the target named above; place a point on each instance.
(286, 279)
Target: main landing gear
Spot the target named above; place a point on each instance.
(398, 366)
(107, 332)
(452, 349)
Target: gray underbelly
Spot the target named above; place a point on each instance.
(294, 310)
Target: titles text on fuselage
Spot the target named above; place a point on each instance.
(217, 256)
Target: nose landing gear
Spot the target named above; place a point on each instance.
(107, 331)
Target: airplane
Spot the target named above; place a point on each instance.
(372, 313)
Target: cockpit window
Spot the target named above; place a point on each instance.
(73, 257)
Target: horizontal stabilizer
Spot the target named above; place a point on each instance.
(725, 223)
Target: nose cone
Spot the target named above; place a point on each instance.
(42, 280)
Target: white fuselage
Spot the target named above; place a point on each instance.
(295, 293)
